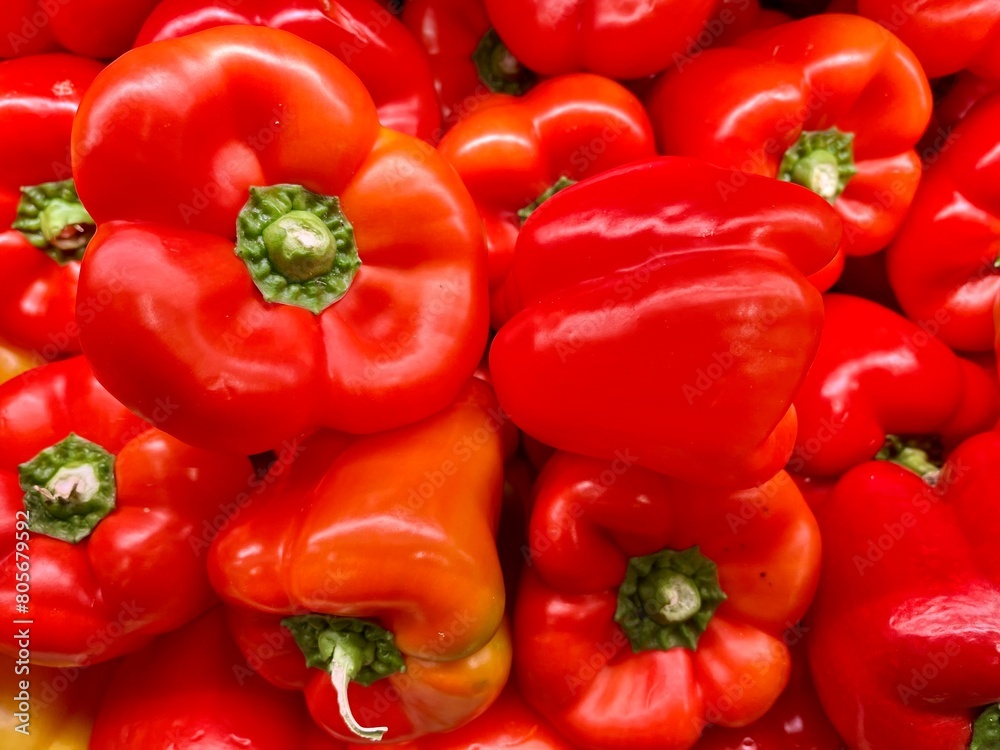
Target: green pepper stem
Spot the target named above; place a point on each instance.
(667, 599)
(298, 246)
(819, 172)
(498, 68)
(68, 488)
(51, 217)
(674, 597)
(821, 160)
(986, 730)
(351, 650)
(558, 186)
(72, 485)
(344, 667)
(910, 456)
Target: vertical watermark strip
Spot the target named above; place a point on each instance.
(22, 622)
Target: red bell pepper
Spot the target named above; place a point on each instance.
(45, 229)
(653, 316)
(366, 38)
(906, 623)
(945, 263)
(378, 555)
(618, 40)
(39, 97)
(832, 102)
(877, 374)
(513, 156)
(99, 512)
(469, 60)
(509, 724)
(291, 332)
(191, 689)
(653, 607)
(795, 722)
(103, 29)
(21, 34)
(946, 36)
(954, 98)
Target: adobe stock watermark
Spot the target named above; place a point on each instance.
(921, 679)
(894, 531)
(462, 451)
(712, 31)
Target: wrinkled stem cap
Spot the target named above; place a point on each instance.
(821, 160)
(667, 599)
(68, 488)
(297, 245)
(499, 69)
(986, 730)
(351, 650)
(52, 219)
(561, 184)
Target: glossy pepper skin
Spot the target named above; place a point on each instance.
(468, 59)
(870, 379)
(509, 724)
(101, 29)
(512, 155)
(945, 263)
(795, 722)
(769, 106)
(709, 658)
(946, 36)
(907, 617)
(190, 320)
(630, 310)
(617, 40)
(191, 690)
(363, 35)
(39, 96)
(105, 577)
(396, 529)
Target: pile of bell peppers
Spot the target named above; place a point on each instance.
(499, 375)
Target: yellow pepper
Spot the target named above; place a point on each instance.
(61, 706)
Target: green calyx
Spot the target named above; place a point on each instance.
(911, 454)
(351, 650)
(561, 184)
(52, 219)
(667, 599)
(498, 68)
(821, 160)
(297, 245)
(986, 730)
(68, 488)
(371, 649)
